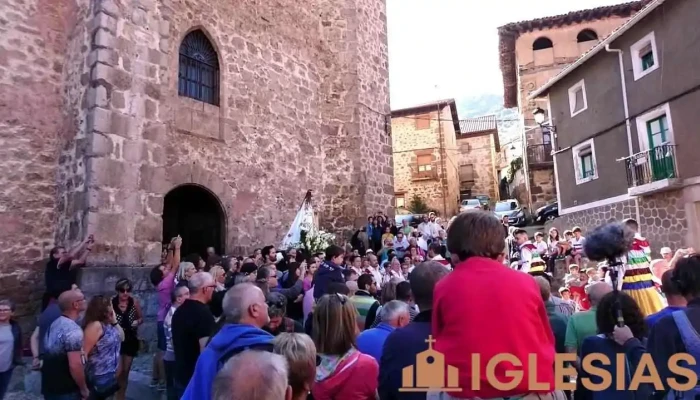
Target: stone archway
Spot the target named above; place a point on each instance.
(192, 174)
(194, 213)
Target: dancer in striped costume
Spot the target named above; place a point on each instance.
(637, 280)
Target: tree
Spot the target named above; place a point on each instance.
(418, 205)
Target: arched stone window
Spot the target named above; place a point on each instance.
(586, 35)
(542, 43)
(199, 69)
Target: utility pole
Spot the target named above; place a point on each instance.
(443, 178)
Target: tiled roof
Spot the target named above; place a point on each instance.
(429, 107)
(479, 124)
(433, 104)
(508, 35)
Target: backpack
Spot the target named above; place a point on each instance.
(691, 341)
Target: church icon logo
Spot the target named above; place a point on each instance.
(428, 374)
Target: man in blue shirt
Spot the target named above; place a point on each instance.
(673, 297)
(394, 315)
(403, 344)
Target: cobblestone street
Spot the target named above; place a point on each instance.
(27, 386)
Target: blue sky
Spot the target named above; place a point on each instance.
(449, 48)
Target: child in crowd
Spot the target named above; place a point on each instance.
(572, 278)
(526, 249)
(542, 248)
(577, 242)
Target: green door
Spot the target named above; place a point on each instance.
(660, 151)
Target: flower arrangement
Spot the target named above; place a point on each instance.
(314, 240)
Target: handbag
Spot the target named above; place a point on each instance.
(103, 386)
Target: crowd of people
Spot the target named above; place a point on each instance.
(346, 322)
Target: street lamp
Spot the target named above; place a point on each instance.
(547, 129)
(539, 115)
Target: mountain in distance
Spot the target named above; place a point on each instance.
(509, 127)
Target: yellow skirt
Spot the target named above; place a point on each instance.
(649, 300)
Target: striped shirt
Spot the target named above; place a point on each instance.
(363, 304)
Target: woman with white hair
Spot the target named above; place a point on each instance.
(184, 273)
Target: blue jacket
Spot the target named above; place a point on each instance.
(328, 272)
(371, 341)
(633, 351)
(231, 340)
(400, 350)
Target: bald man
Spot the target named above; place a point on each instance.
(192, 326)
(62, 371)
(245, 312)
(253, 375)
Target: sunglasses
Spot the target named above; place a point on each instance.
(124, 290)
(341, 298)
(276, 304)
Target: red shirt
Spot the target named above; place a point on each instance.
(486, 308)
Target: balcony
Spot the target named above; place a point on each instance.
(540, 155)
(652, 171)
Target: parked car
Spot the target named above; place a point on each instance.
(470, 204)
(517, 215)
(484, 200)
(547, 213)
(413, 219)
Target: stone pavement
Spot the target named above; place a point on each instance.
(26, 386)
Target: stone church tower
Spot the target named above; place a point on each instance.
(137, 120)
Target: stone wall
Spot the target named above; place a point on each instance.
(95, 135)
(40, 47)
(542, 188)
(440, 190)
(289, 119)
(662, 219)
(480, 152)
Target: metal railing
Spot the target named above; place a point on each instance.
(539, 154)
(651, 165)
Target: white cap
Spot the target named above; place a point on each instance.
(666, 250)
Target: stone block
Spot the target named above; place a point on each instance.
(118, 100)
(129, 255)
(154, 205)
(104, 39)
(109, 7)
(98, 97)
(153, 180)
(149, 229)
(104, 56)
(101, 73)
(129, 202)
(104, 172)
(133, 151)
(151, 253)
(98, 199)
(110, 228)
(156, 133)
(99, 145)
(104, 21)
(150, 109)
(123, 125)
(99, 120)
(164, 28)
